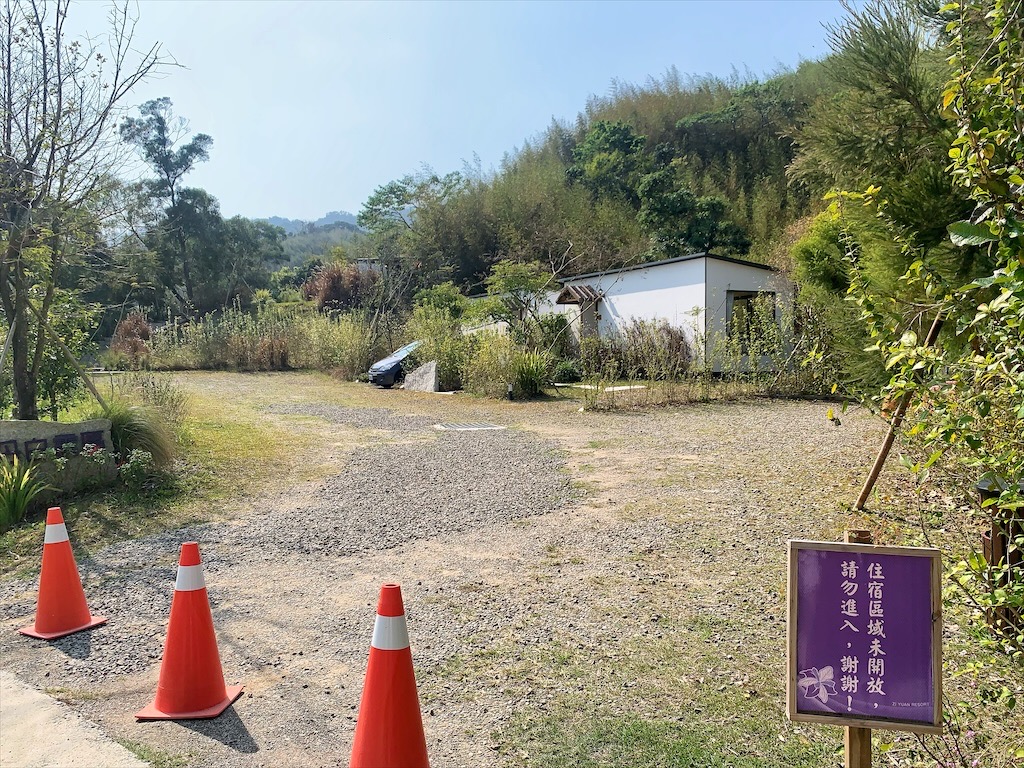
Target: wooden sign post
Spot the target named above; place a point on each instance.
(857, 742)
(865, 639)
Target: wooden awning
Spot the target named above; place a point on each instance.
(578, 294)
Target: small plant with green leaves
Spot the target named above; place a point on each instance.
(138, 470)
(19, 486)
(566, 372)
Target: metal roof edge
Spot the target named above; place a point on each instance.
(674, 260)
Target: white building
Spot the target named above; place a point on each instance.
(702, 293)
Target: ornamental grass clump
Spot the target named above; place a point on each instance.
(134, 427)
(531, 374)
(156, 391)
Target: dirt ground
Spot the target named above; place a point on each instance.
(652, 589)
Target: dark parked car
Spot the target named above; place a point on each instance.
(387, 372)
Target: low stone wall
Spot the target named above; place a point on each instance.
(24, 438)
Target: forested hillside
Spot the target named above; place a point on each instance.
(308, 240)
(835, 172)
(311, 241)
(677, 165)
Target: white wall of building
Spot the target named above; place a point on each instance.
(670, 292)
(549, 306)
(692, 294)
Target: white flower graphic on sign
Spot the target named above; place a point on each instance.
(817, 683)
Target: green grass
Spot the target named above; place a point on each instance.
(155, 757)
(658, 705)
(564, 740)
(680, 701)
(229, 451)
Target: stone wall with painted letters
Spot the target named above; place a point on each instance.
(24, 438)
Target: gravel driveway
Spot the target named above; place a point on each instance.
(564, 529)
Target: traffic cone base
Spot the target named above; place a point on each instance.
(152, 713)
(30, 630)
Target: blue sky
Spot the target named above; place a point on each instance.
(312, 105)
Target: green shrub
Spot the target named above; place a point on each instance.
(489, 370)
(18, 487)
(345, 344)
(556, 336)
(566, 372)
(440, 330)
(446, 297)
(263, 299)
(497, 362)
(135, 427)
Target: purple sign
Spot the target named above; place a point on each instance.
(864, 627)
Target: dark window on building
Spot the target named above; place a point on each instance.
(748, 315)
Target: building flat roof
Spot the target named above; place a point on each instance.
(677, 259)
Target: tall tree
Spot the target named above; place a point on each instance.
(159, 137)
(609, 161)
(60, 99)
(250, 249)
(679, 222)
(404, 218)
(880, 144)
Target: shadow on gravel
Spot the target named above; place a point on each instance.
(77, 646)
(228, 729)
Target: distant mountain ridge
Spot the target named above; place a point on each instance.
(293, 226)
(314, 239)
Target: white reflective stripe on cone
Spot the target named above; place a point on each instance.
(55, 534)
(190, 578)
(390, 633)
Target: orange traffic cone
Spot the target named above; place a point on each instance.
(61, 607)
(389, 732)
(191, 683)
